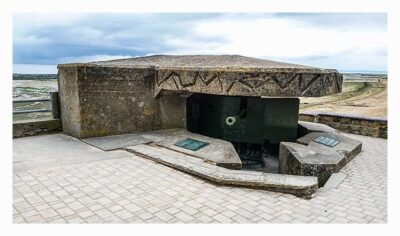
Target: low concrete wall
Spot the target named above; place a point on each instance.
(367, 126)
(34, 127)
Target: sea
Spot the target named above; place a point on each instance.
(26, 87)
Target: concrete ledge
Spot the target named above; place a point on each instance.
(306, 127)
(362, 125)
(218, 151)
(302, 186)
(309, 158)
(34, 127)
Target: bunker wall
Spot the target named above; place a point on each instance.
(69, 100)
(99, 101)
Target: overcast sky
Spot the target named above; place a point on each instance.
(348, 42)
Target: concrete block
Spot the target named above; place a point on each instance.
(309, 158)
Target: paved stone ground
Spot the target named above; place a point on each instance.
(131, 189)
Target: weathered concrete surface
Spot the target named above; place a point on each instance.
(231, 75)
(159, 135)
(131, 95)
(347, 147)
(69, 101)
(35, 127)
(310, 127)
(172, 109)
(309, 158)
(298, 159)
(302, 186)
(108, 143)
(106, 101)
(44, 151)
(374, 127)
(218, 151)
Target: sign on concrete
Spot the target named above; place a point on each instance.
(191, 144)
(326, 141)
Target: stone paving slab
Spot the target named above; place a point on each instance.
(36, 152)
(132, 189)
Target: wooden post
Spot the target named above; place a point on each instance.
(55, 105)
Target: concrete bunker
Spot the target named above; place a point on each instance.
(245, 107)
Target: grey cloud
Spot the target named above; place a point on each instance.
(49, 39)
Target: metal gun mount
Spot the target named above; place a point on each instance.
(231, 120)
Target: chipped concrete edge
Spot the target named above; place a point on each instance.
(301, 186)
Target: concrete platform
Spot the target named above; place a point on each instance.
(113, 142)
(347, 147)
(219, 152)
(310, 158)
(120, 187)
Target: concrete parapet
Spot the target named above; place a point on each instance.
(367, 126)
(34, 127)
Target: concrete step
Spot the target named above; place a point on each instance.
(302, 186)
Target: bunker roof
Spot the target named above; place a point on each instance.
(221, 62)
(229, 75)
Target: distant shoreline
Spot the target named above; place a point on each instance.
(18, 76)
(34, 76)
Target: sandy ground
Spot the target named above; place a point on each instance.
(357, 98)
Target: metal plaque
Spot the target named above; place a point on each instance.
(326, 141)
(191, 144)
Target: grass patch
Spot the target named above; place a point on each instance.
(350, 90)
